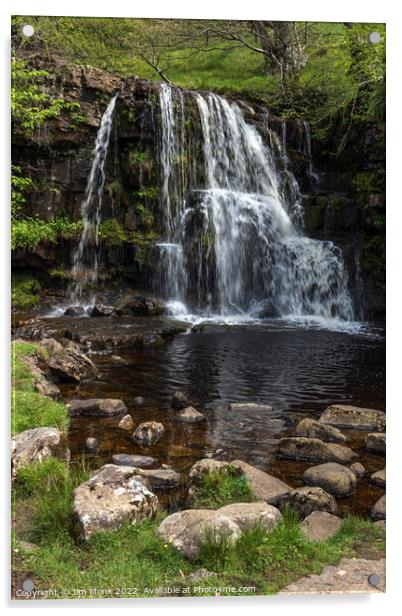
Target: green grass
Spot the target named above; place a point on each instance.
(24, 291)
(223, 488)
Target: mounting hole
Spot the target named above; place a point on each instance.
(28, 30)
(28, 585)
(374, 580)
(374, 38)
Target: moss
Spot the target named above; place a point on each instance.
(112, 233)
(25, 290)
(369, 182)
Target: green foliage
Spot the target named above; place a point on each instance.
(112, 233)
(29, 232)
(24, 291)
(147, 193)
(19, 186)
(219, 488)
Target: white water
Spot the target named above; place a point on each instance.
(86, 257)
(238, 243)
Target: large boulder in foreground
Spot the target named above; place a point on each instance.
(307, 499)
(346, 416)
(37, 445)
(148, 433)
(68, 363)
(334, 478)
(304, 448)
(265, 487)
(376, 442)
(314, 429)
(112, 496)
(320, 525)
(378, 511)
(185, 530)
(96, 407)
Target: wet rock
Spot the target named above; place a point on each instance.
(190, 415)
(139, 400)
(303, 448)
(117, 360)
(265, 309)
(379, 509)
(101, 310)
(148, 433)
(126, 423)
(186, 529)
(40, 374)
(68, 363)
(180, 401)
(37, 445)
(139, 306)
(375, 442)
(320, 525)
(264, 486)
(334, 478)
(250, 407)
(47, 388)
(379, 478)
(125, 459)
(314, 429)
(91, 443)
(307, 499)
(345, 416)
(96, 407)
(75, 311)
(358, 469)
(162, 478)
(112, 496)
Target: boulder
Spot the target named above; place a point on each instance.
(180, 401)
(161, 478)
(186, 529)
(378, 478)
(68, 363)
(139, 306)
(250, 407)
(41, 382)
(375, 442)
(264, 486)
(75, 311)
(307, 499)
(47, 388)
(96, 407)
(320, 525)
(334, 478)
(91, 443)
(112, 496)
(200, 468)
(314, 429)
(36, 445)
(148, 433)
(125, 459)
(346, 416)
(304, 448)
(358, 469)
(379, 509)
(190, 415)
(101, 310)
(126, 423)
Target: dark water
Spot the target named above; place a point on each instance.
(297, 371)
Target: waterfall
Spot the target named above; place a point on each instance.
(236, 244)
(85, 268)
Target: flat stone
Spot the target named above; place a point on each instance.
(190, 415)
(314, 429)
(125, 459)
(334, 478)
(112, 496)
(346, 416)
(264, 486)
(250, 407)
(126, 423)
(358, 469)
(350, 576)
(162, 478)
(307, 499)
(148, 433)
(96, 407)
(378, 512)
(375, 442)
(320, 525)
(304, 448)
(36, 445)
(378, 478)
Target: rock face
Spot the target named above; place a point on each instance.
(378, 512)
(314, 429)
(345, 416)
(96, 407)
(37, 445)
(139, 306)
(320, 525)
(190, 415)
(68, 363)
(308, 499)
(186, 529)
(125, 459)
(303, 448)
(375, 442)
(112, 496)
(358, 470)
(264, 486)
(180, 401)
(126, 423)
(148, 433)
(334, 478)
(378, 478)
(250, 407)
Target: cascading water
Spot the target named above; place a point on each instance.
(240, 238)
(86, 257)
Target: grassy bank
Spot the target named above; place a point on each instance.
(133, 561)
